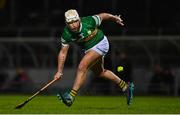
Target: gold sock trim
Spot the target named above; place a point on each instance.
(122, 84)
(73, 93)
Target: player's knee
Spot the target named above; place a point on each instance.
(101, 74)
(82, 67)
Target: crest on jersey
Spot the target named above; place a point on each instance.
(89, 32)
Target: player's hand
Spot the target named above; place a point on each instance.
(58, 75)
(119, 20)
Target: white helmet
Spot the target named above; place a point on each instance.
(71, 15)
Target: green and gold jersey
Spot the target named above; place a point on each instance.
(87, 26)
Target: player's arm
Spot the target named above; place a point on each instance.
(61, 60)
(115, 18)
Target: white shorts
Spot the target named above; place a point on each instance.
(102, 47)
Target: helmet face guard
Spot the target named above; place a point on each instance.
(71, 16)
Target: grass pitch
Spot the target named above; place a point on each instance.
(90, 105)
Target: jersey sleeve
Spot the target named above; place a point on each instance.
(97, 20)
(64, 42)
(92, 20)
(65, 38)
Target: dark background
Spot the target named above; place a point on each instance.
(30, 32)
(141, 17)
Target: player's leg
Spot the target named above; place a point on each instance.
(88, 60)
(99, 70)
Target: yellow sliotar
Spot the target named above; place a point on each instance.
(120, 68)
